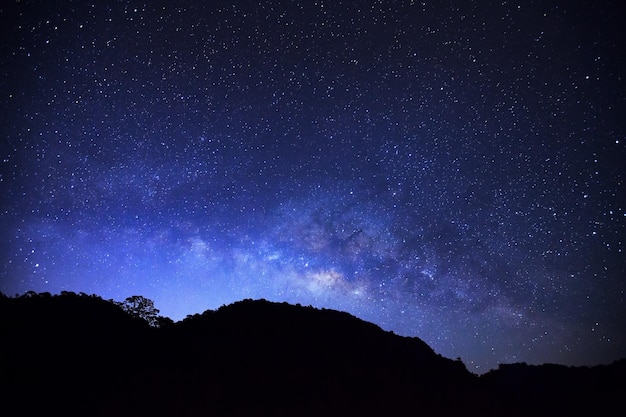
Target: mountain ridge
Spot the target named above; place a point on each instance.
(81, 354)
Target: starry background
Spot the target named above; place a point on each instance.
(446, 170)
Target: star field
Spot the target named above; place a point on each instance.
(446, 170)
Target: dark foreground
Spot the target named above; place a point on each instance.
(81, 355)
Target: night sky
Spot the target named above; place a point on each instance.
(446, 170)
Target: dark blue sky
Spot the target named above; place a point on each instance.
(446, 170)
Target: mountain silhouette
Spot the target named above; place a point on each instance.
(78, 354)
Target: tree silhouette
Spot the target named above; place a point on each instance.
(141, 307)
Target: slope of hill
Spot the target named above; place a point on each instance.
(79, 354)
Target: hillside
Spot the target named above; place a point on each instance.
(79, 354)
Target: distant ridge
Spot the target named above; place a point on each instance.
(81, 355)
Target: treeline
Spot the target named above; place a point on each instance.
(135, 306)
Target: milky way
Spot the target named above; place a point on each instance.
(446, 170)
